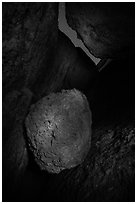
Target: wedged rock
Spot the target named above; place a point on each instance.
(108, 172)
(29, 40)
(106, 29)
(59, 130)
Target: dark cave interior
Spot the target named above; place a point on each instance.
(39, 60)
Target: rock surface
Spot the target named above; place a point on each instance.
(29, 40)
(107, 29)
(59, 130)
(107, 174)
(38, 56)
(15, 154)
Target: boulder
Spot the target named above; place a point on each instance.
(59, 130)
(106, 29)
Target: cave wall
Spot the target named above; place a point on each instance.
(39, 59)
(29, 40)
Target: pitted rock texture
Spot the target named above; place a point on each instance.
(59, 130)
(107, 29)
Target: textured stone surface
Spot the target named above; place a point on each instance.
(15, 154)
(29, 39)
(59, 130)
(107, 29)
(108, 172)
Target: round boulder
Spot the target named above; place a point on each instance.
(59, 130)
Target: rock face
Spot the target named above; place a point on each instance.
(29, 37)
(15, 154)
(59, 130)
(29, 40)
(107, 29)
